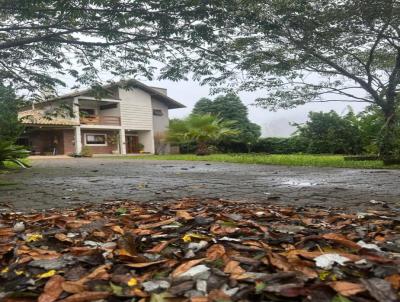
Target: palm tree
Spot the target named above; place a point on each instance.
(201, 129)
(12, 153)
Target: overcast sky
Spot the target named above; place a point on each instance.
(272, 123)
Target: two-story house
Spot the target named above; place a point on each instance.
(127, 118)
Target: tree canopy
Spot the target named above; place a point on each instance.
(328, 132)
(229, 107)
(44, 42)
(316, 51)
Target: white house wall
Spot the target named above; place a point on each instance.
(160, 123)
(136, 109)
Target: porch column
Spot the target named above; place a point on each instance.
(78, 140)
(122, 143)
(75, 109)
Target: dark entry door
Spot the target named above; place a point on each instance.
(132, 144)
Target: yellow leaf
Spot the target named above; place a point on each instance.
(33, 237)
(18, 273)
(48, 274)
(188, 237)
(4, 270)
(132, 282)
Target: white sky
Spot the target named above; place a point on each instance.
(272, 123)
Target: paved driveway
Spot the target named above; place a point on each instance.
(68, 182)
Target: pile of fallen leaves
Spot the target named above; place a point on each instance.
(192, 250)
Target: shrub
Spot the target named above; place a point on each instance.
(86, 152)
(280, 145)
(12, 153)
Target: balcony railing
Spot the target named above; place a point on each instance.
(101, 120)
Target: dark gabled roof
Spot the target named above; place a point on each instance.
(171, 103)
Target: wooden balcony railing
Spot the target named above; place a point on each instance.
(101, 120)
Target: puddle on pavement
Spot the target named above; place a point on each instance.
(296, 183)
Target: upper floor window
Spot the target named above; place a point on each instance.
(87, 112)
(158, 112)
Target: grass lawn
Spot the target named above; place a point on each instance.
(275, 159)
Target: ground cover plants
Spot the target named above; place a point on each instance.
(311, 160)
(199, 250)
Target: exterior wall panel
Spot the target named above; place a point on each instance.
(136, 109)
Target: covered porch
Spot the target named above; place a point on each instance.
(48, 141)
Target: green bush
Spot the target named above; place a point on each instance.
(280, 145)
(12, 153)
(86, 152)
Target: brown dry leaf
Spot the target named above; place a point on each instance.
(73, 287)
(278, 261)
(338, 238)
(157, 224)
(218, 295)
(394, 280)
(63, 237)
(215, 252)
(186, 266)
(199, 299)
(144, 264)
(86, 296)
(347, 288)
(233, 268)
(223, 230)
(184, 214)
(160, 247)
(52, 290)
(7, 232)
(99, 273)
(117, 229)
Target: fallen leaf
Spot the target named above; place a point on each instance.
(184, 214)
(380, 289)
(394, 280)
(86, 296)
(47, 274)
(186, 266)
(52, 290)
(157, 224)
(347, 288)
(233, 268)
(338, 238)
(144, 264)
(214, 252)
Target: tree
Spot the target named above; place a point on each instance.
(204, 130)
(328, 132)
(229, 107)
(44, 41)
(316, 51)
(10, 125)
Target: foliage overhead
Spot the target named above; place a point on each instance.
(316, 51)
(230, 107)
(202, 129)
(46, 41)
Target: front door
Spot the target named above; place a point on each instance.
(132, 144)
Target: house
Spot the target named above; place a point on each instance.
(123, 118)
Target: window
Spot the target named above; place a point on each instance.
(87, 112)
(108, 106)
(157, 112)
(95, 139)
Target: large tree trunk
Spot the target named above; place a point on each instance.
(389, 145)
(202, 148)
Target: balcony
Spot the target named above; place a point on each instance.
(101, 120)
